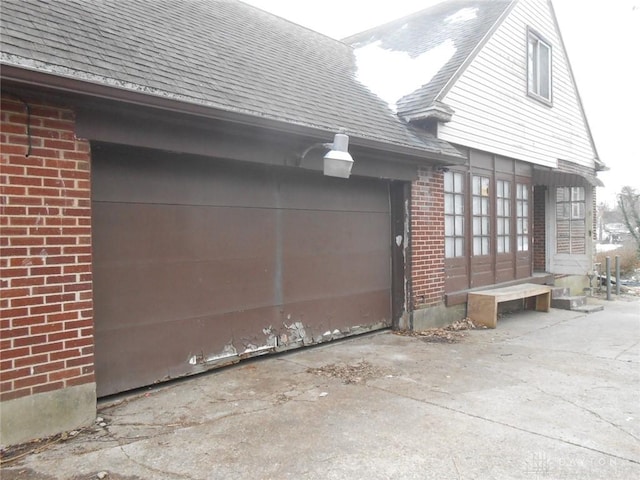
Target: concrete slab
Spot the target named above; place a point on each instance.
(544, 396)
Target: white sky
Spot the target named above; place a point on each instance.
(602, 38)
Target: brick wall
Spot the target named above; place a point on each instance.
(46, 326)
(427, 239)
(539, 229)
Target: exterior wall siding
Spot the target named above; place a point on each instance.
(427, 239)
(46, 327)
(493, 111)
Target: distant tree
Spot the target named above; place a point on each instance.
(629, 204)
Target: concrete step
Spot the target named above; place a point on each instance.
(560, 292)
(569, 302)
(588, 308)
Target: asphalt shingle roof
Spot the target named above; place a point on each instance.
(222, 54)
(463, 22)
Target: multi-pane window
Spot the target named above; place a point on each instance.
(453, 214)
(522, 217)
(538, 67)
(480, 213)
(503, 216)
(570, 220)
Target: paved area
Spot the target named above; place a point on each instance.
(544, 396)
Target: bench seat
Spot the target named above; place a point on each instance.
(482, 306)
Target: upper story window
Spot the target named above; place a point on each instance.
(538, 67)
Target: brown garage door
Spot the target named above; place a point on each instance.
(201, 262)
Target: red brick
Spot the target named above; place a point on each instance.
(15, 292)
(15, 312)
(31, 360)
(61, 317)
(66, 335)
(29, 340)
(51, 308)
(29, 381)
(46, 348)
(49, 367)
(48, 387)
(72, 382)
(13, 374)
(78, 362)
(13, 394)
(46, 328)
(62, 374)
(64, 354)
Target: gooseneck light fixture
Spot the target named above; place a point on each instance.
(337, 162)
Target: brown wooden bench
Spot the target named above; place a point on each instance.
(482, 306)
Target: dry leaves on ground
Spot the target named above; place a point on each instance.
(450, 334)
(349, 374)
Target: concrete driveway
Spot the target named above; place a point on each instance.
(544, 396)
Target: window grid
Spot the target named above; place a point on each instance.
(503, 216)
(570, 220)
(481, 218)
(453, 214)
(522, 217)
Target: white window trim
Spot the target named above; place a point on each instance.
(532, 35)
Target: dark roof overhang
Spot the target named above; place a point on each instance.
(555, 177)
(75, 89)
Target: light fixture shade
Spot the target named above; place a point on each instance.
(338, 162)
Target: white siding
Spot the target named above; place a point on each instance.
(493, 111)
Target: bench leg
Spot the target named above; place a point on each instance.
(482, 310)
(543, 302)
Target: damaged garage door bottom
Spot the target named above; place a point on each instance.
(296, 336)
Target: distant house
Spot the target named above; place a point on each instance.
(166, 208)
(493, 79)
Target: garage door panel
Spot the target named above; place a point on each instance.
(329, 194)
(347, 313)
(151, 232)
(202, 261)
(139, 355)
(152, 177)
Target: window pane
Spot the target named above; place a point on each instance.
(500, 244)
(485, 186)
(448, 203)
(532, 74)
(525, 243)
(459, 247)
(485, 206)
(485, 246)
(457, 179)
(507, 226)
(459, 204)
(544, 70)
(459, 227)
(449, 247)
(448, 181)
(476, 205)
(485, 225)
(500, 226)
(477, 246)
(449, 226)
(476, 186)
(500, 208)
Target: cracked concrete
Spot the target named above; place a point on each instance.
(544, 396)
